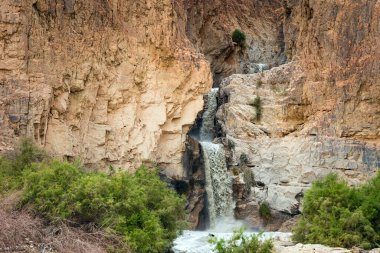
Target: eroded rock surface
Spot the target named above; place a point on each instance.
(112, 82)
(211, 23)
(319, 112)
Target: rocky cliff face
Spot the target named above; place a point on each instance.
(320, 111)
(121, 82)
(336, 44)
(211, 23)
(112, 82)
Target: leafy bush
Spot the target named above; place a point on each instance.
(259, 82)
(258, 106)
(238, 37)
(139, 207)
(264, 211)
(13, 165)
(240, 243)
(46, 186)
(337, 215)
(235, 171)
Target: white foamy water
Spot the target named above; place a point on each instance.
(220, 202)
(197, 241)
(218, 182)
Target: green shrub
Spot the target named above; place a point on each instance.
(259, 82)
(240, 243)
(231, 144)
(139, 207)
(243, 158)
(13, 165)
(335, 214)
(238, 37)
(264, 211)
(235, 171)
(258, 107)
(46, 186)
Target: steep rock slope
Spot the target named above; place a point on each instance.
(211, 23)
(320, 112)
(113, 82)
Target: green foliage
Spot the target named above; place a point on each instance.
(264, 211)
(238, 37)
(240, 243)
(258, 106)
(235, 171)
(46, 186)
(231, 144)
(248, 177)
(337, 215)
(139, 207)
(13, 165)
(243, 158)
(259, 82)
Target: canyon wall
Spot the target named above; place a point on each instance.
(211, 23)
(110, 82)
(120, 82)
(319, 113)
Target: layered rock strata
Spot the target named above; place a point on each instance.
(318, 114)
(112, 82)
(211, 23)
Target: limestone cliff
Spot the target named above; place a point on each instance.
(211, 23)
(112, 82)
(320, 111)
(121, 82)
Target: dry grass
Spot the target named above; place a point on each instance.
(22, 231)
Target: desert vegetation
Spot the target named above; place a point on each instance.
(238, 37)
(264, 211)
(337, 215)
(257, 104)
(241, 243)
(133, 212)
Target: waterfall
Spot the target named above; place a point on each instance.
(218, 180)
(207, 132)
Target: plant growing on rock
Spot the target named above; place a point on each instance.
(238, 37)
(235, 171)
(259, 82)
(249, 178)
(258, 107)
(264, 211)
(231, 144)
(243, 158)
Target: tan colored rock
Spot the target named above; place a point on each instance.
(320, 111)
(337, 46)
(281, 149)
(114, 83)
(211, 23)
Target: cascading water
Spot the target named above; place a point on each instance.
(218, 180)
(218, 188)
(207, 132)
